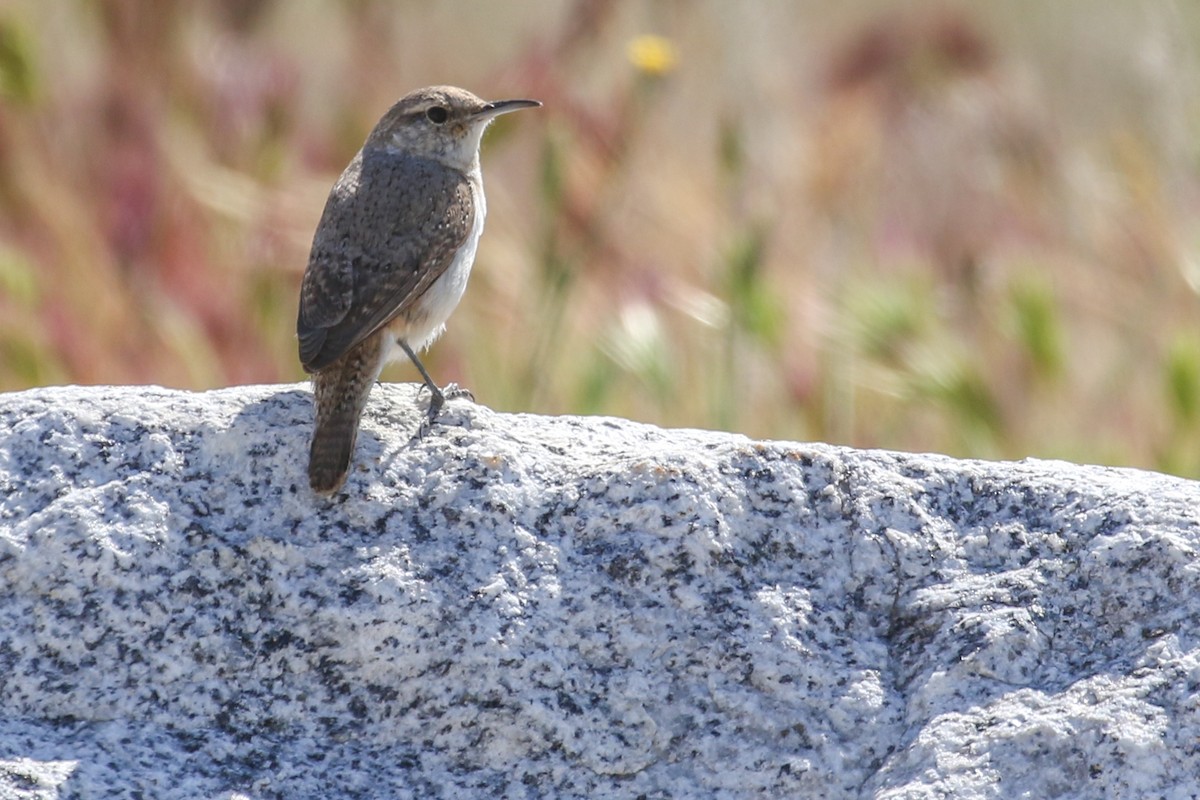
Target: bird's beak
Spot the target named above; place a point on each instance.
(498, 107)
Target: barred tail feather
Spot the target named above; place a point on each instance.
(340, 392)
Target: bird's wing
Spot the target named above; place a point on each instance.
(392, 225)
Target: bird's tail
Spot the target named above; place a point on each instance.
(340, 392)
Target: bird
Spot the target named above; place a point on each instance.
(390, 260)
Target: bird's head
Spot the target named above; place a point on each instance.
(443, 123)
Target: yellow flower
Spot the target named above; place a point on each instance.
(653, 55)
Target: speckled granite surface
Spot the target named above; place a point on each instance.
(520, 606)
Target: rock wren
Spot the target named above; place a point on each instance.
(390, 260)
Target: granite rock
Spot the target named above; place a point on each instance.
(524, 606)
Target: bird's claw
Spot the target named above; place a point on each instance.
(453, 392)
(437, 401)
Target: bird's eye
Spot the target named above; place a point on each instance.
(437, 115)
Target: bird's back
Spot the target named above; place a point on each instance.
(391, 227)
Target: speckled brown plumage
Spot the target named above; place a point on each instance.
(390, 259)
(391, 227)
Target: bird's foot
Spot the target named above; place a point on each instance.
(452, 391)
(437, 400)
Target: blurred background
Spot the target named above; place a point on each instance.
(964, 227)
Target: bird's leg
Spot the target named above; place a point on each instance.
(436, 399)
(437, 396)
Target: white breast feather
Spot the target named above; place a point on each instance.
(443, 296)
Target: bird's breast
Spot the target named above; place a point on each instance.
(427, 320)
